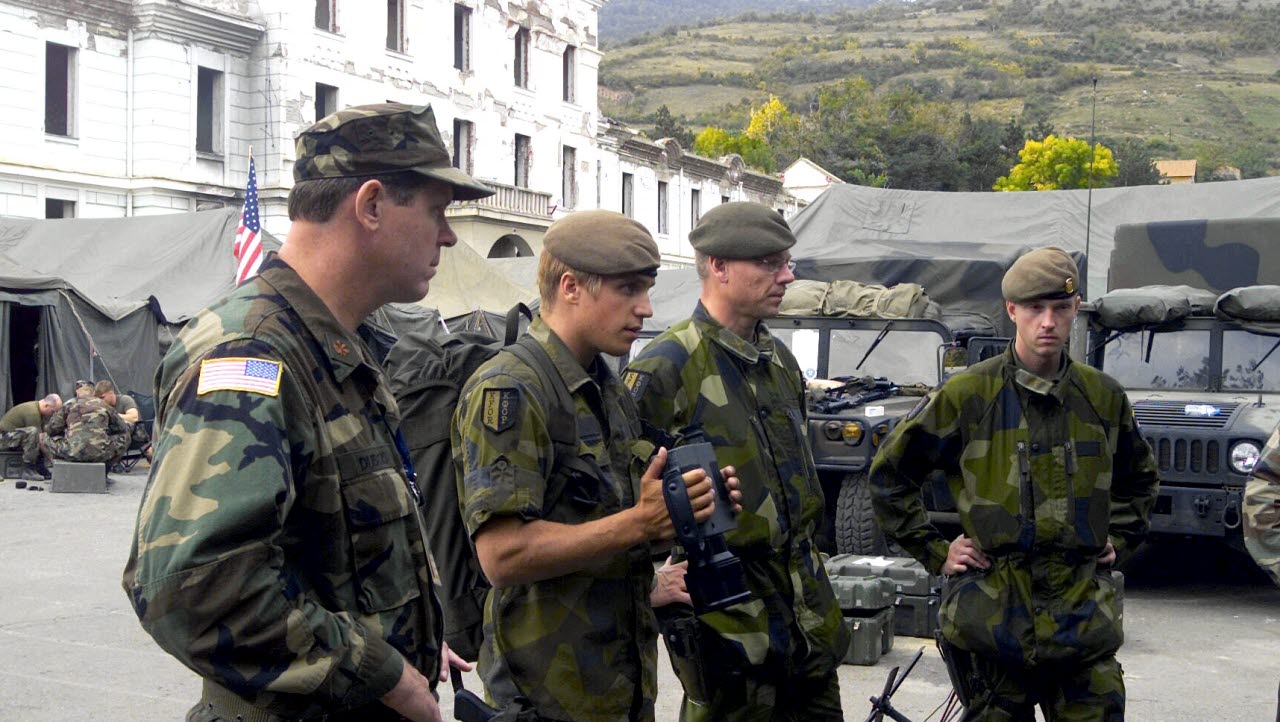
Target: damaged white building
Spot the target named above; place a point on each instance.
(133, 107)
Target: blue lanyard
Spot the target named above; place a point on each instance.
(406, 462)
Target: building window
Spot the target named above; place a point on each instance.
(325, 13)
(522, 58)
(395, 25)
(569, 177)
(208, 110)
(462, 37)
(724, 200)
(59, 90)
(695, 207)
(326, 100)
(662, 207)
(54, 208)
(464, 133)
(628, 195)
(570, 74)
(523, 154)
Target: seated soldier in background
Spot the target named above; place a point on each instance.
(130, 415)
(20, 429)
(86, 429)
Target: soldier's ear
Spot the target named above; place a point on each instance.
(370, 201)
(1010, 307)
(719, 268)
(570, 289)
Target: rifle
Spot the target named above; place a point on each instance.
(854, 392)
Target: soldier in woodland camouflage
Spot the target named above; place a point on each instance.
(85, 429)
(559, 493)
(1262, 509)
(1053, 483)
(279, 550)
(20, 430)
(721, 376)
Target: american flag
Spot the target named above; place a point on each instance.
(239, 374)
(248, 247)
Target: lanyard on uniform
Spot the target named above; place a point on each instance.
(405, 461)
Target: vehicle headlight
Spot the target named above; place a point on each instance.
(852, 433)
(1244, 456)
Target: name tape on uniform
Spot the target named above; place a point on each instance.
(256, 375)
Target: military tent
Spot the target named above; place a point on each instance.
(841, 221)
(96, 298)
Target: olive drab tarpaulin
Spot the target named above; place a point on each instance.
(848, 217)
(1250, 304)
(1211, 252)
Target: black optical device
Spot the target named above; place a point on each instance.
(715, 579)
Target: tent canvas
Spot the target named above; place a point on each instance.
(847, 216)
(99, 294)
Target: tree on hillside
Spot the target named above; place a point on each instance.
(666, 125)
(1057, 164)
(1134, 157)
(714, 142)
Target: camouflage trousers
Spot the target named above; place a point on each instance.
(26, 439)
(738, 697)
(1093, 693)
(95, 448)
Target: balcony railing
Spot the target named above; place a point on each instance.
(513, 200)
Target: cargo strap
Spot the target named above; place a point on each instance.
(230, 706)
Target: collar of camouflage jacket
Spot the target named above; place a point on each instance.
(562, 358)
(735, 344)
(1018, 372)
(345, 351)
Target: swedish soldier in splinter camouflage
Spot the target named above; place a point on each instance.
(559, 492)
(1262, 509)
(720, 376)
(279, 551)
(1053, 483)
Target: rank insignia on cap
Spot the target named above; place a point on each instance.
(256, 375)
(500, 408)
(1069, 286)
(636, 382)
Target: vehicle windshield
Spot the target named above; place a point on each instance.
(1163, 360)
(1250, 361)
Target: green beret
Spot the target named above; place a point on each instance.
(605, 243)
(741, 230)
(1045, 273)
(369, 140)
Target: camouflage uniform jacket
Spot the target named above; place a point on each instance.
(748, 401)
(582, 646)
(278, 550)
(85, 430)
(1042, 472)
(1262, 509)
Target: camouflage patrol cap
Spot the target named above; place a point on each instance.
(605, 243)
(369, 140)
(741, 230)
(1045, 273)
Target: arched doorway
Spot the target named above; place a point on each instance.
(510, 246)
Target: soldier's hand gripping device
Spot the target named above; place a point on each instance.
(715, 578)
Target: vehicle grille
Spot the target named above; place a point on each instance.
(1172, 414)
(1187, 455)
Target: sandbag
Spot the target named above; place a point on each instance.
(1251, 304)
(1151, 306)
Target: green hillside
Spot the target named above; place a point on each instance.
(1185, 78)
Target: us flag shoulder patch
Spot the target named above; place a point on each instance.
(256, 375)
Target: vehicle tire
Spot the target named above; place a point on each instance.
(856, 528)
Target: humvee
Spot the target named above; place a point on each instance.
(1205, 386)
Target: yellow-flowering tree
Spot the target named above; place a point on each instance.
(1058, 163)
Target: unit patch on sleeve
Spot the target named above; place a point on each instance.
(501, 406)
(636, 382)
(256, 375)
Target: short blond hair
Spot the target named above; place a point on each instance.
(552, 269)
